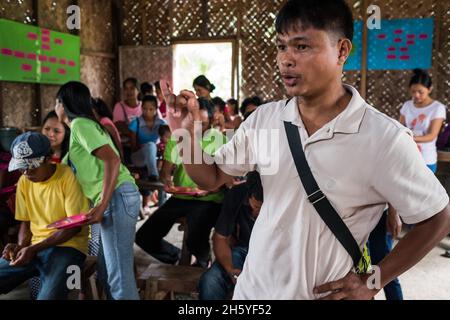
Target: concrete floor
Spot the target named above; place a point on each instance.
(428, 280)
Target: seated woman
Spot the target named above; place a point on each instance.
(145, 136)
(59, 135)
(233, 119)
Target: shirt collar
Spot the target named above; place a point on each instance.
(348, 121)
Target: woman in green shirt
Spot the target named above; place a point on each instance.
(106, 182)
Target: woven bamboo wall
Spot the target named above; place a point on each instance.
(157, 22)
(97, 58)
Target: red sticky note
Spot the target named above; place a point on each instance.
(61, 71)
(45, 39)
(391, 49)
(423, 36)
(31, 56)
(59, 41)
(42, 58)
(45, 69)
(404, 49)
(62, 61)
(53, 59)
(404, 57)
(382, 36)
(45, 31)
(410, 42)
(32, 36)
(19, 54)
(398, 39)
(7, 52)
(45, 47)
(411, 36)
(72, 63)
(398, 31)
(27, 67)
(391, 56)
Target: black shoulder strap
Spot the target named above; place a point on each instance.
(317, 198)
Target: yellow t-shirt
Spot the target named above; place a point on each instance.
(45, 202)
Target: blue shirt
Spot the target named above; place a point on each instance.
(146, 134)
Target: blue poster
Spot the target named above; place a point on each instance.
(354, 59)
(401, 44)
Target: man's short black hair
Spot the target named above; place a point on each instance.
(254, 185)
(328, 15)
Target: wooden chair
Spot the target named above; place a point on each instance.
(161, 280)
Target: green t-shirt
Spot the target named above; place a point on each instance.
(210, 143)
(85, 137)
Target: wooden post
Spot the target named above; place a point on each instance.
(364, 51)
(142, 6)
(117, 22)
(437, 45)
(236, 49)
(205, 18)
(36, 112)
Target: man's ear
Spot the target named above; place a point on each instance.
(345, 48)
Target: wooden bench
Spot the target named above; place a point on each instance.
(160, 280)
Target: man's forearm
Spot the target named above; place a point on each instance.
(57, 238)
(24, 237)
(414, 246)
(223, 254)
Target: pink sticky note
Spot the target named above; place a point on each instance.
(27, 67)
(59, 41)
(382, 36)
(61, 71)
(72, 63)
(423, 36)
(42, 58)
(19, 54)
(63, 61)
(45, 69)
(7, 52)
(45, 47)
(398, 39)
(53, 59)
(31, 56)
(32, 36)
(45, 39)
(391, 56)
(405, 57)
(45, 31)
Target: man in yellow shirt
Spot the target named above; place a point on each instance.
(46, 193)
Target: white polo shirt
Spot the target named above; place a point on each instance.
(361, 160)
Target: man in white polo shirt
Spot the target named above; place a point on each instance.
(360, 158)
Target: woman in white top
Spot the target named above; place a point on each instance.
(423, 116)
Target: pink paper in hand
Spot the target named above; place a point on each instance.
(69, 222)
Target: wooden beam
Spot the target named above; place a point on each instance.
(194, 40)
(364, 51)
(98, 54)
